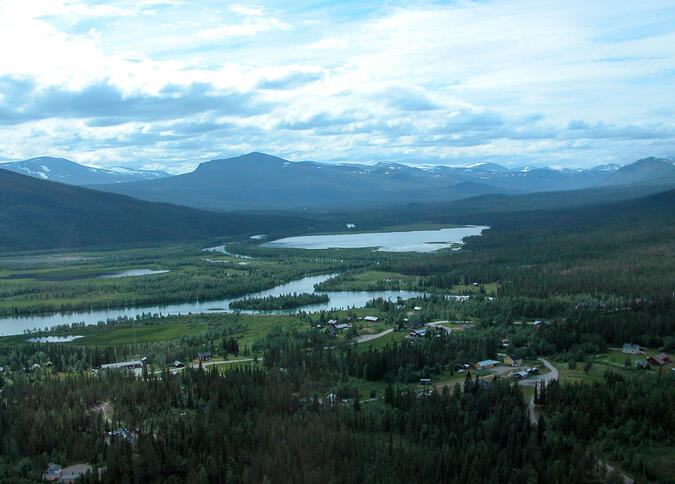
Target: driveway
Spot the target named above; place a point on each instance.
(369, 337)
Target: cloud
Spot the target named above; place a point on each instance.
(407, 99)
(172, 82)
(291, 80)
(106, 105)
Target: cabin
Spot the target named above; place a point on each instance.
(631, 349)
(415, 324)
(332, 322)
(53, 472)
(204, 356)
(371, 319)
(658, 360)
(485, 364)
(417, 308)
(122, 433)
(417, 333)
(178, 364)
(513, 360)
(425, 381)
(331, 332)
(641, 365)
(122, 365)
(342, 326)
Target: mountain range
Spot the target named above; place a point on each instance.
(258, 181)
(40, 214)
(66, 171)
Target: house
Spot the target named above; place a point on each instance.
(415, 324)
(53, 472)
(332, 322)
(659, 360)
(371, 319)
(485, 364)
(342, 326)
(425, 381)
(513, 360)
(122, 433)
(631, 349)
(177, 364)
(417, 333)
(417, 308)
(641, 365)
(331, 332)
(520, 375)
(204, 356)
(123, 365)
(50, 364)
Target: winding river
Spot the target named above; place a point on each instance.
(338, 300)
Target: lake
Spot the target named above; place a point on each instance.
(338, 300)
(132, 273)
(412, 241)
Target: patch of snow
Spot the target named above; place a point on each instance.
(351, 226)
(45, 168)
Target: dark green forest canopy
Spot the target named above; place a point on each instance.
(38, 214)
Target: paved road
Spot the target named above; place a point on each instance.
(441, 323)
(547, 378)
(370, 337)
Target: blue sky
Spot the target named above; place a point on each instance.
(169, 83)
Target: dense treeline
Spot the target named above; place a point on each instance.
(204, 427)
(540, 254)
(283, 301)
(631, 419)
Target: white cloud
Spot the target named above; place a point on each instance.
(499, 80)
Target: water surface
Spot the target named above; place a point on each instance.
(338, 300)
(132, 273)
(413, 241)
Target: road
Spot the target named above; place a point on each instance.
(441, 323)
(547, 377)
(369, 337)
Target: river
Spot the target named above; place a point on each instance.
(338, 300)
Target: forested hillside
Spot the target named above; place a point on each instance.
(38, 214)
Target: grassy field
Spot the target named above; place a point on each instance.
(613, 360)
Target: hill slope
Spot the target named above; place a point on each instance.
(66, 171)
(38, 214)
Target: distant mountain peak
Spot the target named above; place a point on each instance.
(67, 171)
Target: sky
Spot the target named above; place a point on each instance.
(167, 84)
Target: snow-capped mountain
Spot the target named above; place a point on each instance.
(66, 171)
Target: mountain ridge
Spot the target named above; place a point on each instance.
(66, 171)
(259, 181)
